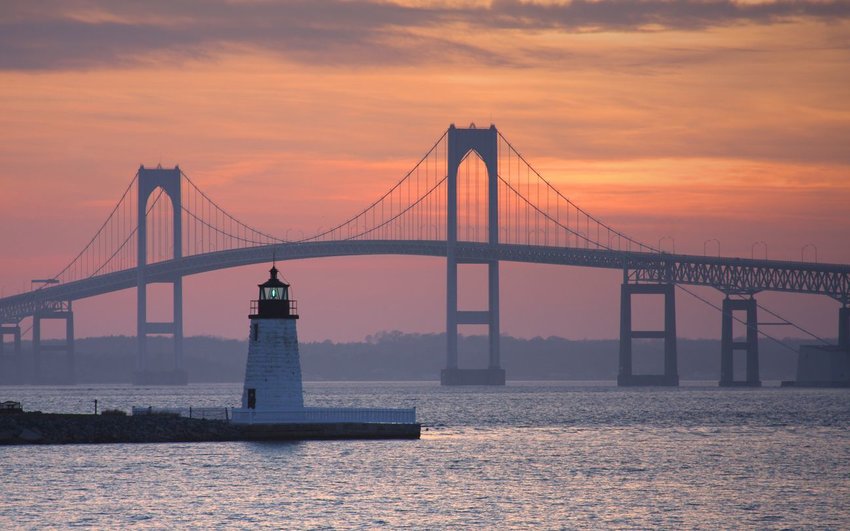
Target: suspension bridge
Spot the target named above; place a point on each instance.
(472, 198)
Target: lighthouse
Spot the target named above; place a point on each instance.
(273, 370)
(272, 397)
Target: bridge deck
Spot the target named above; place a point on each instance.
(730, 275)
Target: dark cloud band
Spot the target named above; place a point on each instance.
(82, 34)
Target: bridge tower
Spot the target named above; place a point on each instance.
(149, 181)
(750, 345)
(484, 142)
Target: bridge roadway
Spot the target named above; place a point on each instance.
(729, 275)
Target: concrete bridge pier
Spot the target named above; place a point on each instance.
(15, 332)
(844, 327)
(68, 375)
(670, 376)
(728, 345)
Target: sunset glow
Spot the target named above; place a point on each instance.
(688, 120)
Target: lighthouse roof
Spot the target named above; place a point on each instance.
(273, 281)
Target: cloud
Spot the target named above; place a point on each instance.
(86, 34)
(625, 15)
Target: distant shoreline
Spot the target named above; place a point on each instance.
(392, 356)
(576, 383)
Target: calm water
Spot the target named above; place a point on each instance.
(554, 455)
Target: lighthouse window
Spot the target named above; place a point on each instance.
(255, 331)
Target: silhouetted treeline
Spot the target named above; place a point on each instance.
(400, 356)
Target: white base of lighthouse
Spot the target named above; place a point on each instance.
(273, 371)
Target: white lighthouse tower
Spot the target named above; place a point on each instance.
(273, 372)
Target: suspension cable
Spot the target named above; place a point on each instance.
(793, 324)
(128, 238)
(530, 204)
(225, 213)
(519, 155)
(381, 199)
(117, 205)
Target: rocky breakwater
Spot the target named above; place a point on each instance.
(60, 428)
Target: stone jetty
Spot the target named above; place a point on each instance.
(59, 428)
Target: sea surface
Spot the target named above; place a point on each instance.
(549, 455)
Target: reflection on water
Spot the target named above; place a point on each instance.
(542, 455)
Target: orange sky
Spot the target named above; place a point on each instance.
(693, 120)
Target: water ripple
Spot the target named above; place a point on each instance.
(549, 456)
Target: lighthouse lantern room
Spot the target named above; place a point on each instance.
(274, 299)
